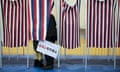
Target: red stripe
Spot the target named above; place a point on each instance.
(98, 35)
(95, 23)
(35, 19)
(42, 33)
(29, 20)
(69, 39)
(50, 6)
(17, 22)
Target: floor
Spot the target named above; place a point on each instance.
(68, 64)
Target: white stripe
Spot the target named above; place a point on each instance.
(63, 35)
(45, 18)
(88, 21)
(1, 24)
(103, 25)
(76, 38)
(17, 24)
(38, 18)
(20, 22)
(10, 13)
(92, 22)
(62, 20)
(66, 29)
(71, 29)
(107, 24)
(74, 18)
(24, 23)
(13, 24)
(96, 23)
(99, 25)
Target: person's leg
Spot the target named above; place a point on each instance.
(49, 60)
(38, 56)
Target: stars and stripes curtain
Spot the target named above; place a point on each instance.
(69, 24)
(39, 17)
(16, 25)
(100, 23)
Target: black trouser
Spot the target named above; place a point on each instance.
(50, 60)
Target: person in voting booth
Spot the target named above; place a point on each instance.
(52, 37)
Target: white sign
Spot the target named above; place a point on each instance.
(48, 48)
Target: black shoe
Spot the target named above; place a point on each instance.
(47, 67)
(38, 63)
(41, 63)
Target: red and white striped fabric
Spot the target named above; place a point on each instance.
(69, 24)
(39, 17)
(15, 22)
(5, 18)
(100, 23)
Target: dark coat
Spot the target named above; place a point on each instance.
(51, 31)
